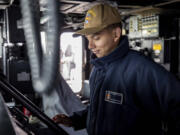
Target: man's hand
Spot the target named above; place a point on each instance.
(62, 119)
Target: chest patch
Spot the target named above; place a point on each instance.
(114, 97)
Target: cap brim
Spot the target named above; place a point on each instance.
(88, 31)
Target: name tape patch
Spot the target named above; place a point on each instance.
(114, 97)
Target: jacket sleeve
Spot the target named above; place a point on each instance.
(79, 119)
(159, 92)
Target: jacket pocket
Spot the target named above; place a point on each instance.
(114, 97)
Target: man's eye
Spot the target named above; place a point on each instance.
(96, 38)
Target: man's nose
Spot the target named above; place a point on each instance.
(91, 45)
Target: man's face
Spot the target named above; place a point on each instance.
(102, 43)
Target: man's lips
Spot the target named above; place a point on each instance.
(95, 52)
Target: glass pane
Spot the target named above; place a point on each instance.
(71, 60)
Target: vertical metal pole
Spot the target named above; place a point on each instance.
(178, 38)
(4, 56)
(7, 25)
(174, 64)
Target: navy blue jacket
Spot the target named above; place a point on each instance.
(130, 95)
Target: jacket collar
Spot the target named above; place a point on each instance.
(118, 53)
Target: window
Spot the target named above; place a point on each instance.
(71, 60)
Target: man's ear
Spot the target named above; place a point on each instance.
(117, 34)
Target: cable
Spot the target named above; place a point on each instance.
(44, 67)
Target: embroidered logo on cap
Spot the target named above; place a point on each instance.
(89, 16)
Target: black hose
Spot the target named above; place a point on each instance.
(44, 68)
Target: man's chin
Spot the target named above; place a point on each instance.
(99, 56)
